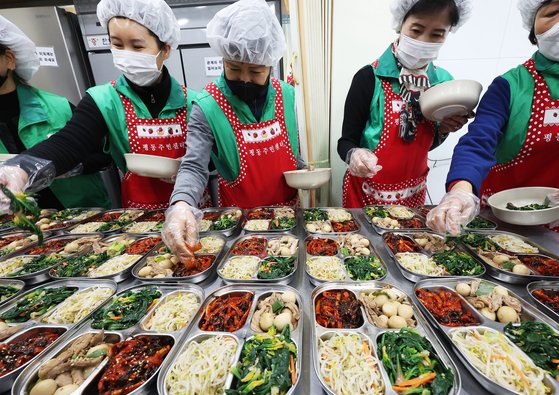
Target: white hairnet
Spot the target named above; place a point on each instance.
(247, 31)
(27, 61)
(400, 8)
(528, 10)
(156, 15)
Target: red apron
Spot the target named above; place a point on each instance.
(539, 151)
(400, 160)
(264, 153)
(153, 136)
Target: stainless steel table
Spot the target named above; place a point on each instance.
(309, 383)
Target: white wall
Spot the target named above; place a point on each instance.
(492, 42)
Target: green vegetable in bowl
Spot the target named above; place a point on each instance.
(376, 211)
(527, 207)
(276, 267)
(37, 303)
(223, 223)
(475, 240)
(37, 264)
(6, 291)
(458, 263)
(364, 268)
(315, 214)
(413, 364)
(282, 223)
(539, 341)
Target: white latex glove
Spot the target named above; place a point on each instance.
(553, 198)
(180, 232)
(363, 163)
(15, 179)
(456, 209)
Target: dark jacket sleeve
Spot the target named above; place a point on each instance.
(82, 137)
(474, 155)
(356, 110)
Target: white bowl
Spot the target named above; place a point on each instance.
(308, 179)
(5, 157)
(457, 97)
(520, 197)
(152, 165)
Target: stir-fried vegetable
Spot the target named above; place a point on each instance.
(26, 212)
(282, 223)
(413, 365)
(126, 310)
(37, 264)
(539, 341)
(267, 365)
(79, 266)
(223, 223)
(527, 207)
(482, 242)
(276, 267)
(315, 214)
(6, 291)
(480, 223)
(376, 211)
(364, 268)
(458, 263)
(37, 303)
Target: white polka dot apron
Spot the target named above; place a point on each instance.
(402, 179)
(153, 136)
(539, 150)
(264, 153)
(537, 162)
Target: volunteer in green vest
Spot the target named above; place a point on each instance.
(29, 116)
(144, 111)
(514, 139)
(385, 138)
(245, 122)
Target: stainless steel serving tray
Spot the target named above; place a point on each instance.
(552, 285)
(413, 276)
(370, 333)
(43, 274)
(143, 218)
(117, 277)
(226, 232)
(318, 232)
(380, 230)
(509, 276)
(292, 229)
(29, 375)
(317, 281)
(529, 312)
(197, 335)
(429, 207)
(96, 217)
(255, 280)
(196, 278)
(14, 283)
(39, 325)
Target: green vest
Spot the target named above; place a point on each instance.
(41, 115)
(226, 156)
(387, 68)
(522, 86)
(108, 100)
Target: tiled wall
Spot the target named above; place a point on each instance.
(492, 42)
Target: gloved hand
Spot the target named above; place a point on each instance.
(456, 209)
(363, 163)
(15, 179)
(180, 232)
(553, 198)
(454, 123)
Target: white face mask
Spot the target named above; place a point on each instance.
(548, 43)
(140, 68)
(415, 54)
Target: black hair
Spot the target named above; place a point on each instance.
(431, 6)
(16, 76)
(532, 35)
(160, 44)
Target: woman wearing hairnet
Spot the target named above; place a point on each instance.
(514, 139)
(245, 121)
(144, 111)
(29, 116)
(385, 139)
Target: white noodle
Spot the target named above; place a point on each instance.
(174, 313)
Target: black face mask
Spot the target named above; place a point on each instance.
(3, 79)
(247, 91)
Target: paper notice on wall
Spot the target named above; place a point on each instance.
(214, 66)
(47, 57)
